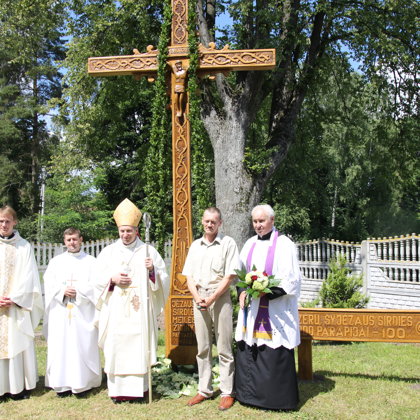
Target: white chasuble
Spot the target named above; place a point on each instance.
(127, 324)
(19, 281)
(73, 362)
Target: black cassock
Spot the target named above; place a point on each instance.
(266, 377)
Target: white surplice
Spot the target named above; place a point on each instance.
(73, 362)
(123, 327)
(284, 314)
(19, 281)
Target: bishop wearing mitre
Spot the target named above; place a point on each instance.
(129, 271)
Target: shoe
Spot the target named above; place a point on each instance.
(139, 400)
(64, 394)
(196, 400)
(24, 395)
(226, 403)
(83, 394)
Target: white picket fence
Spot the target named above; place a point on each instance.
(44, 252)
(390, 266)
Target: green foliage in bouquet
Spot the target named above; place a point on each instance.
(255, 283)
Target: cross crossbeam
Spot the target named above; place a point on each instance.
(210, 59)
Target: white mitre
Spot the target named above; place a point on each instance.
(127, 214)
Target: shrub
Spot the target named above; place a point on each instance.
(341, 289)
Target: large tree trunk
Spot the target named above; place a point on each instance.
(237, 192)
(228, 113)
(35, 146)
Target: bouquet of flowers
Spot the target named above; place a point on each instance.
(255, 283)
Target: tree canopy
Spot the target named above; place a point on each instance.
(31, 45)
(329, 137)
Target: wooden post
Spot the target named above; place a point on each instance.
(305, 359)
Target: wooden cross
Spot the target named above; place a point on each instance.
(179, 319)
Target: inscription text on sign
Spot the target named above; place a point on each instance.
(360, 325)
(385, 325)
(182, 320)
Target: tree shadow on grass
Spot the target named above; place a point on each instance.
(332, 343)
(322, 382)
(367, 376)
(310, 389)
(41, 389)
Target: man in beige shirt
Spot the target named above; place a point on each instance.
(210, 268)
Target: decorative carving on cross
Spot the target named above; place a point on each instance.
(179, 22)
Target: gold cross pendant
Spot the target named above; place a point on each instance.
(69, 308)
(135, 301)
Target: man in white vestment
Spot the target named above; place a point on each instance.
(129, 272)
(268, 329)
(21, 309)
(73, 362)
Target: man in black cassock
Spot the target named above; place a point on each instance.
(268, 328)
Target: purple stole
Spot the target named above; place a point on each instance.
(262, 326)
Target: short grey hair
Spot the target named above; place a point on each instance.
(213, 209)
(266, 208)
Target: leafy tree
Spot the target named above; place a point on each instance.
(340, 289)
(305, 35)
(112, 118)
(72, 200)
(253, 118)
(343, 177)
(30, 45)
(122, 124)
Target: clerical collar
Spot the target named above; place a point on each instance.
(265, 237)
(8, 237)
(75, 254)
(132, 245)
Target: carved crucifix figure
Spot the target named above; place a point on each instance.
(179, 322)
(180, 87)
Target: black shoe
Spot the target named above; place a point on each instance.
(139, 400)
(24, 395)
(64, 394)
(83, 394)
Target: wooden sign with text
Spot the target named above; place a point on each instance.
(360, 324)
(385, 325)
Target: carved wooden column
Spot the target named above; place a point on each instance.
(181, 345)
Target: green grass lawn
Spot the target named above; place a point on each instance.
(353, 381)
